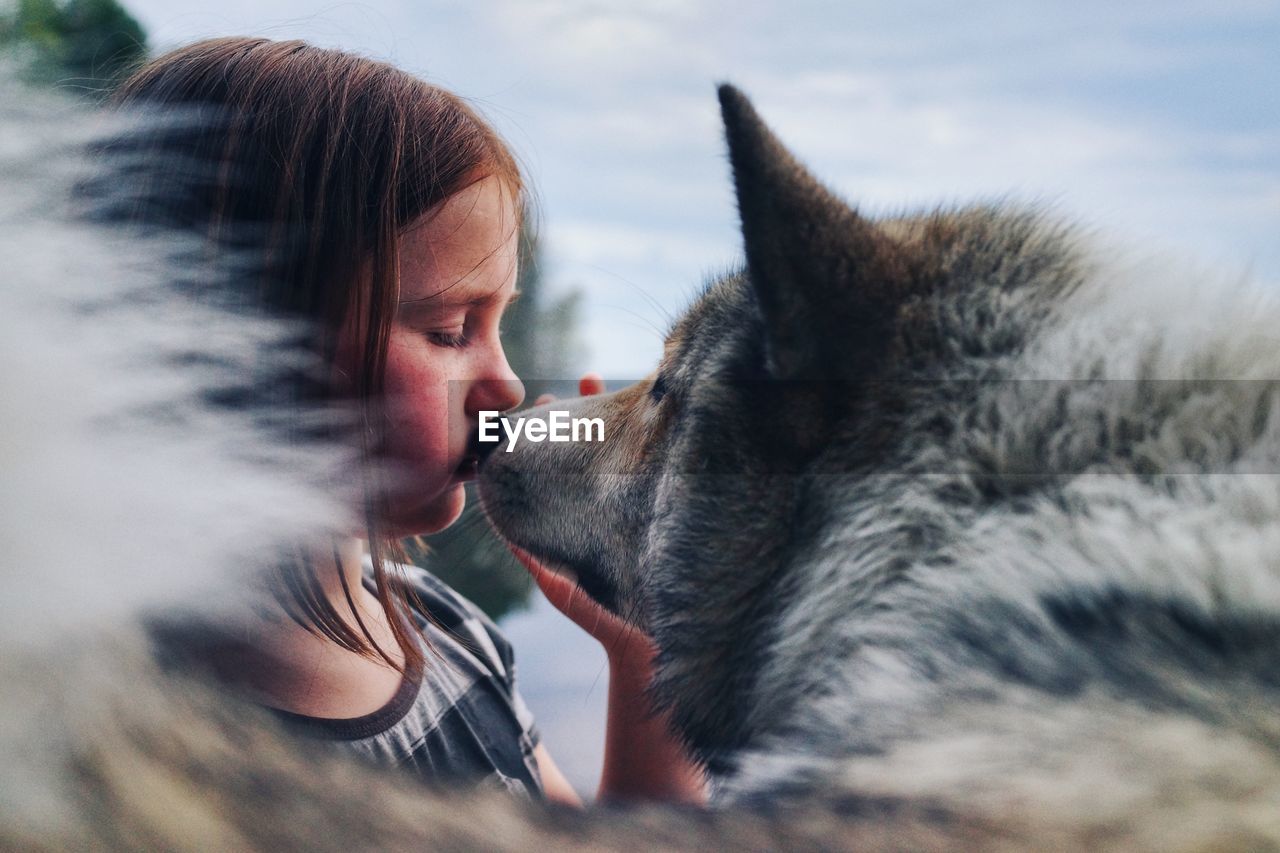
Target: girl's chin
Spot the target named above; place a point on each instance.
(432, 516)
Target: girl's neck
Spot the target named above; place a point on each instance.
(349, 568)
(283, 665)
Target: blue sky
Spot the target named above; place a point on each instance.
(1159, 122)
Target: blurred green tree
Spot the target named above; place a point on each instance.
(543, 349)
(82, 44)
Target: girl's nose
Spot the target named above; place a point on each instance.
(497, 388)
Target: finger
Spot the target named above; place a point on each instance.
(590, 383)
(544, 398)
(567, 597)
(556, 587)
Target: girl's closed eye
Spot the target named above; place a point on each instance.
(453, 338)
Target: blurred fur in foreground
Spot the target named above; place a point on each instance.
(137, 476)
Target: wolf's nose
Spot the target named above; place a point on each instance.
(483, 448)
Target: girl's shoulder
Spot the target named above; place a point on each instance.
(434, 604)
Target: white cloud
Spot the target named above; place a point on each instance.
(594, 244)
(608, 38)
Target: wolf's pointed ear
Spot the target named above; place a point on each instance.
(829, 281)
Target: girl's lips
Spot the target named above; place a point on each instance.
(467, 468)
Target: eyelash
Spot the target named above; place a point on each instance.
(453, 340)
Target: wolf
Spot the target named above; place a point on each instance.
(960, 511)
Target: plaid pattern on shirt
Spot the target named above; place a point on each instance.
(459, 721)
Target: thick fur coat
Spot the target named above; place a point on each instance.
(957, 510)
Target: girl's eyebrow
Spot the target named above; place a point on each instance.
(441, 300)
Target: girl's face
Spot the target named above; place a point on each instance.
(444, 359)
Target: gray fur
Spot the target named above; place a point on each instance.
(956, 508)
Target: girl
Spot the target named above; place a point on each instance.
(384, 212)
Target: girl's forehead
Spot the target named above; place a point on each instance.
(465, 246)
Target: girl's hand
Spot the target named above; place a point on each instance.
(643, 757)
(623, 643)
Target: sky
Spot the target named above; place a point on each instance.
(1158, 123)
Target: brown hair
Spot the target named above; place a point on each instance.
(317, 160)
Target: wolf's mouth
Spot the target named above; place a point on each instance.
(508, 502)
(588, 579)
(562, 570)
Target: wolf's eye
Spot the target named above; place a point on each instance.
(659, 389)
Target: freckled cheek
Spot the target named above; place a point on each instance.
(425, 425)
